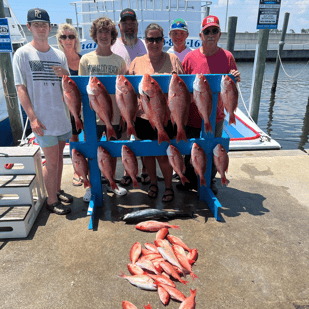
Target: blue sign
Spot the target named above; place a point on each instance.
(5, 39)
(268, 14)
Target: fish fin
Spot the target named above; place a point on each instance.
(87, 183)
(135, 183)
(79, 124)
(208, 127)
(147, 306)
(181, 281)
(111, 133)
(131, 131)
(224, 181)
(203, 181)
(176, 227)
(172, 119)
(166, 118)
(158, 269)
(122, 275)
(194, 276)
(232, 119)
(184, 179)
(163, 137)
(181, 135)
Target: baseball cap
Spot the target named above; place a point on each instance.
(37, 14)
(210, 21)
(179, 24)
(127, 13)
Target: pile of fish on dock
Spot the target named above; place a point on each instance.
(156, 267)
(157, 109)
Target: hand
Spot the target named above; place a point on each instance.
(37, 127)
(236, 74)
(59, 71)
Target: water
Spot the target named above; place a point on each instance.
(285, 115)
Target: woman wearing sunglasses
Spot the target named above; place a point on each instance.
(68, 42)
(155, 62)
(208, 59)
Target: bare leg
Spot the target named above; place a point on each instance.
(167, 172)
(74, 138)
(60, 164)
(150, 164)
(50, 172)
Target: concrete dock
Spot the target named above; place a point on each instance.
(257, 257)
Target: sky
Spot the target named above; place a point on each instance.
(245, 10)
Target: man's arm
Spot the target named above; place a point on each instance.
(24, 99)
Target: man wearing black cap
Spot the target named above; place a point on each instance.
(128, 46)
(39, 91)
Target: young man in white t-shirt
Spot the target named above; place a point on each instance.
(179, 33)
(36, 67)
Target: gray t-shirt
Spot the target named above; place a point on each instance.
(129, 53)
(33, 69)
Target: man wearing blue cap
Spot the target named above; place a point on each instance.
(39, 90)
(179, 33)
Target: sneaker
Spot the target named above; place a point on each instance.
(64, 197)
(87, 196)
(58, 208)
(120, 191)
(213, 187)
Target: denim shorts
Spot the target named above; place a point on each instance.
(49, 140)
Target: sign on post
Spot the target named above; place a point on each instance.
(268, 14)
(5, 39)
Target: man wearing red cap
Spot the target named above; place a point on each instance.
(208, 59)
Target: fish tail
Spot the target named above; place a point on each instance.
(135, 183)
(79, 125)
(111, 133)
(183, 281)
(224, 181)
(194, 276)
(113, 185)
(87, 183)
(163, 137)
(131, 130)
(176, 227)
(148, 306)
(181, 135)
(184, 179)
(203, 181)
(208, 127)
(232, 119)
(122, 275)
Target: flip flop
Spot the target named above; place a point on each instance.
(143, 178)
(125, 180)
(154, 192)
(168, 195)
(78, 182)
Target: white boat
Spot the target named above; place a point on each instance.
(245, 135)
(18, 39)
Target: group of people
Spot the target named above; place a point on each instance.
(38, 69)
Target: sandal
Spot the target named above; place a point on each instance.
(154, 193)
(64, 197)
(77, 181)
(167, 195)
(144, 177)
(125, 180)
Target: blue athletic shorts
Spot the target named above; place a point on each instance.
(49, 140)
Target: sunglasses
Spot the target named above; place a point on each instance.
(178, 25)
(213, 31)
(70, 36)
(152, 40)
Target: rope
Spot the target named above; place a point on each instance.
(285, 70)
(6, 94)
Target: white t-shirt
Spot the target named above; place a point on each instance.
(129, 53)
(33, 69)
(181, 55)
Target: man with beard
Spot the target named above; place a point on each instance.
(128, 46)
